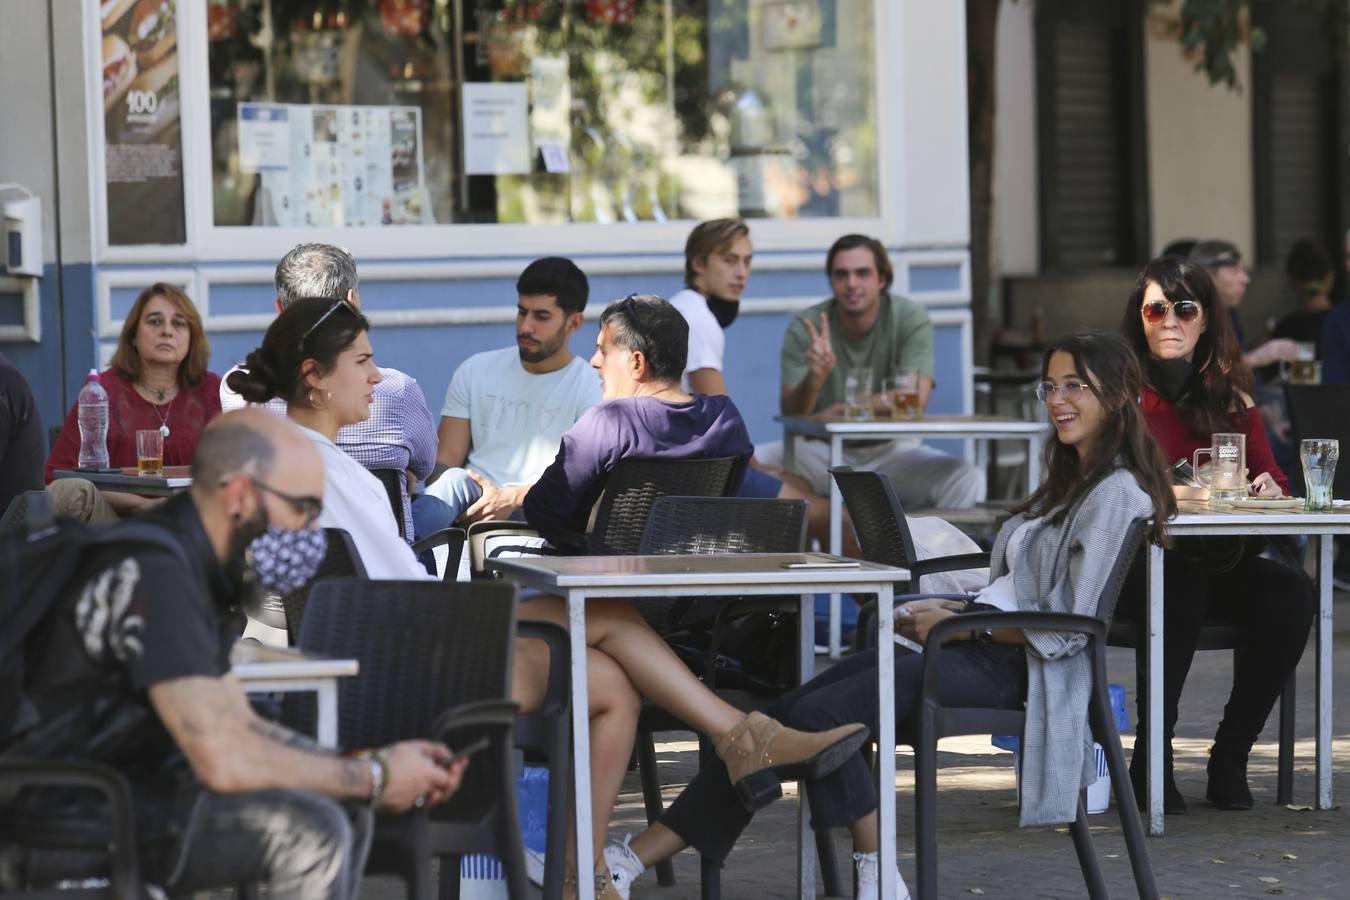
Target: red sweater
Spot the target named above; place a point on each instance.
(1177, 440)
(128, 412)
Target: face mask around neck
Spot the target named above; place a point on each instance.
(724, 311)
(1170, 377)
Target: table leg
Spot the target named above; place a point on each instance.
(327, 701)
(806, 667)
(581, 742)
(836, 545)
(789, 450)
(1324, 657)
(1153, 705)
(885, 742)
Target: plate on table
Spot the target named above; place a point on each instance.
(1273, 503)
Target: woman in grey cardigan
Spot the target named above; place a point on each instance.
(1103, 471)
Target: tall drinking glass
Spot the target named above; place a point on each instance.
(1226, 472)
(1319, 457)
(858, 394)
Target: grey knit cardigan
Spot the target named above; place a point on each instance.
(1063, 568)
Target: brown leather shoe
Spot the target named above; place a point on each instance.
(780, 754)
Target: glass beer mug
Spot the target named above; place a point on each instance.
(1226, 472)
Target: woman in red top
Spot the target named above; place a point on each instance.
(157, 379)
(1196, 385)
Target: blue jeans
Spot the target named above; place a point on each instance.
(455, 491)
(709, 817)
(300, 844)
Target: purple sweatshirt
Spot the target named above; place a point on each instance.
(643, 427)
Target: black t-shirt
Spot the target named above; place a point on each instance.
(23, 449)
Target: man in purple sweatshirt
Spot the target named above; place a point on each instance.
(644, 412)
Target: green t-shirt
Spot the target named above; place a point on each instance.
(902, 338)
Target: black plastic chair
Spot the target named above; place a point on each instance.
(883, 536)
(340, 560)
(936, 721)
(395, 484)
(715, 525)
(435, 663)
(451, 538)
(621, 514)
(54, 850)
(15, 517)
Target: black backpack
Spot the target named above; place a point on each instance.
(38, 578)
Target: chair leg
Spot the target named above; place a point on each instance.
(925, 807)
(1131, 825)
(1284, 783)
(417, 873)
(1087, 853)
(559, 807)
(449, 877)
(829, 865)
(710, 879)
(651, 797)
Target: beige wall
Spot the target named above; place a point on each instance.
(1017, 237)
(1199, 146)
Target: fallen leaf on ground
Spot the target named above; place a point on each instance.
(977, 890)
(1289, 856)
(1217, 862)
(1297, 808)
(1269, 879)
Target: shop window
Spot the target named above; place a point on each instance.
(367, 113)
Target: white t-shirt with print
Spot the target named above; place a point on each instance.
(707, 340)
(517, 418)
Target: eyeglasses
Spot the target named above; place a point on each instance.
(1156, 310)
(338, 303)
(309, 507)
(1068, 391)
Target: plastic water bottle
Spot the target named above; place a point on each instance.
(93, 419)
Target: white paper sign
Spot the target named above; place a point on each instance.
(555, 157)
(264, 138)
(496, 129)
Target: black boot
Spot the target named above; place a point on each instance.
(1173, 803)
(1228, 775)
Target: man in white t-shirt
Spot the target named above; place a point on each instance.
(717, 258)
(506, 410)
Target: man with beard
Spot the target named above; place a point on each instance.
(247, 799)
(506, 410)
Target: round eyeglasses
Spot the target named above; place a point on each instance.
(1067, 391)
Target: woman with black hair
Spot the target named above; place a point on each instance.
(1196, 385)
(1054, 555)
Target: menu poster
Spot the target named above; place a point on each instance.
(143, 150)
(496, 128)
(335, 165)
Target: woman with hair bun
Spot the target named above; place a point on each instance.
(316, 355)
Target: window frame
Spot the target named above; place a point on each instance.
(208, 242)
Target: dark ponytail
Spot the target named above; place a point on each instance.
(317, 328)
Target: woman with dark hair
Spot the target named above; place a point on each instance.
(1055, 555)
(1196, 385)
(157, 379)
(316, 355)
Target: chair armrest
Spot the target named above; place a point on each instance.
(949, 563)
(863, 633)
(454, 539)
(478, 714)
(1092, 627)
(123, 861)
(480, 532)
(556, 696)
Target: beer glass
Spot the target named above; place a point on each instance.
(1226, 472)
(150, 452)
(858, 394)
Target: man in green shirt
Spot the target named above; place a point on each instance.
(863, 325)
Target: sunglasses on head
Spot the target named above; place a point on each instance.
(338, 303)
(1156, 310)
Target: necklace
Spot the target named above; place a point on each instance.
(163, 419)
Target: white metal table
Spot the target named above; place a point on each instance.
(578, 578)
(1196, 518)
(839, 431)
(273, 670)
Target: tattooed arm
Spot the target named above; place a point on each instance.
(232, 750)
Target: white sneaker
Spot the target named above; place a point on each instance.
(623, 864)
(866, 865)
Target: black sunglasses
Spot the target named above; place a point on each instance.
(309, 507)
(1156, 310)
(338, 303)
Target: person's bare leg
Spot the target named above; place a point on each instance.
(617, 630)
(614, 705)
(864, 833)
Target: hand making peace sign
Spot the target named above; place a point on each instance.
(819, 356)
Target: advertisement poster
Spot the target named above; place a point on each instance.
(496, 128)
(143, 152)
(335, 165)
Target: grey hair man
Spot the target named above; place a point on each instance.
(400, 434)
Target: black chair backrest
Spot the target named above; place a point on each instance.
(710, 525)
(1135, 537)
(423, 646)
(878, 519)
(395, 483)
(16, 514)
(633, 487)
(1320, 411)
(340, 560)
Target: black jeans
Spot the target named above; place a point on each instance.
(1270, 602)
(299, 843)
(708, 816)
